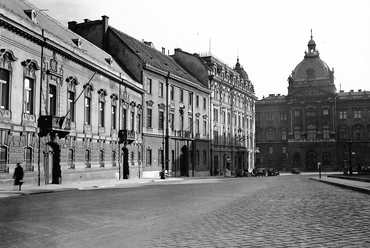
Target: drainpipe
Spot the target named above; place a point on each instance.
(119, 126)
(167, 123)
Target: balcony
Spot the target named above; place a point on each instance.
(126, 136)
(183, 134)
(311, 140)
(54, 125)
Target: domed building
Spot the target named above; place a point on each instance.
(313, 123)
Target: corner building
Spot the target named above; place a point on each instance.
(313, 122)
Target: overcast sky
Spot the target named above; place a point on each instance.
(269, 36)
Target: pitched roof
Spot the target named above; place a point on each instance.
(153, 57)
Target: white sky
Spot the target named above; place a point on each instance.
(270, 36)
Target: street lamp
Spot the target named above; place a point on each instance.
(350, 155)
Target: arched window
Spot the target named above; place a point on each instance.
(101, 158)
(297, 158)
(326, 158)
(87, 159)
(325, 132)
(70, 160)
(28, 158)
(3, 158)
(311, 132)
(343, 132)
(270, 134)
(357, 132)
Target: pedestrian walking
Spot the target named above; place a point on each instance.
(18, 176)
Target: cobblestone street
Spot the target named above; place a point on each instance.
(289, 212)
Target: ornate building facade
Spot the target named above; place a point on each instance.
(60, 101)
(313, 122)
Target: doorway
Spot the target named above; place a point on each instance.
(53, 174)
(311, 161)
(126, 169)
(184, 166)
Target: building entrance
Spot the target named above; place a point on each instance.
(311, 161)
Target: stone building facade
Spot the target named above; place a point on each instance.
(176, 106)
(60, 101)
(313, 123)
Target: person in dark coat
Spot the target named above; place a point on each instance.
(18, 176)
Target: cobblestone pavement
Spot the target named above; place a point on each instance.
(289, 212)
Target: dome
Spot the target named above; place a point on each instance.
(240, 70)
(311, 68)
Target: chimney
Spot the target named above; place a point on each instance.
(163, 50)
(72, 26)
(104, 34)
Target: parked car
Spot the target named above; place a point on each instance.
(365, 169)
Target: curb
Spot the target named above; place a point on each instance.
(359, 189)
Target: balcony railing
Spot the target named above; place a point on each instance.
(183, 134)
(126, 136)
(50, 124)
(311, 140)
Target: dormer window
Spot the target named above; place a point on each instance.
(32, 14)
(109, 60)
(310, 74)
(78, 42)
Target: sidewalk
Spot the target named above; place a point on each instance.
(353, 184)
(49, 188)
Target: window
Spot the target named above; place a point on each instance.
(283, 150)
(132, 120)
(114, 158)
(173, 157)
(4, 89)
(160, 90)
(204, 127)
(172, 121)
(343, 132)
(114, 116)
(71, 106)
(29, 95)
(204, 103)
(223, 117)
(325, 132)
(215, 137)
(161, 119)
(215, 114)
(269, 116)
(148, 156)
(191, 124)
(326, 158)
(297, 132)
(70, 159)
(160, 157)
(357, 132)
(197, 127)
(28, 158)
(3, 158)
(342, 115)
(87, 159)
(181, 122)
(172, 93)
(357, 114)
(181, 95)
(326, 112)
(124, 118)
(283, 117)
(297, 158)
(258, 117)
(138, 123)
(101, 113)
(101, 158)
(190, 98)
(149, 86)
(283, 133)
(52, 99)
(197, 101)
(204, 157)
(296, 112)
(270, 134)
(311, 132)
(87, 110)
(197, 157)
(271, 150)
(149, 118)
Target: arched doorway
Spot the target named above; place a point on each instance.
(184, 167)
(311, 161)
(53, 174)
(125, 167)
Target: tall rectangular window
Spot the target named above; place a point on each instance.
(101, 113)
(87, 110)
(28, 158)
(197, 126)
(181, 122)
(138, 123)
(148, 157)
(3, 158)
(124, 119)
(181, 95)
(160, 90)
(271, 150)
(357, 114)
(71, 106)
(197, 101)
(191, 124)
(160, 157)
(149, 86)
(172, 93)
(204, 103)
(4, 89)
(149, 118)
(132, 120)
(114, 116)
(283, 117)
(204, 127)
(204, 157)
(190, 98)
(172, 121)
(28, 95)
(70, 159)
(52, 99)
(161, 119)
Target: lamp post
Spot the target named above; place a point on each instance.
(350, 156)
